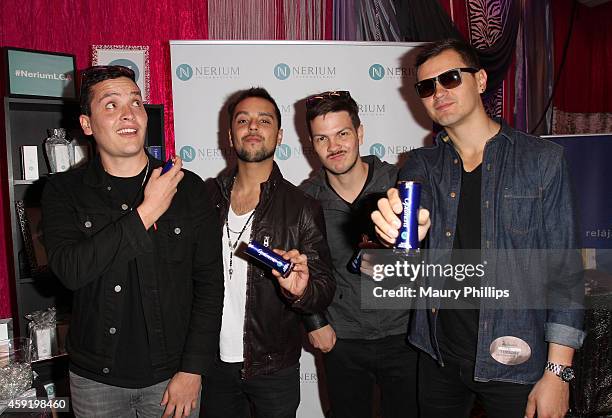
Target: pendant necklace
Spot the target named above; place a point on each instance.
(232, 247)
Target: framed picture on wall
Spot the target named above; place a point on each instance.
(131, 56)
(43, 74)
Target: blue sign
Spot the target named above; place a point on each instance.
(37, 73)
(588, 158)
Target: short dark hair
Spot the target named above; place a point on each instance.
(96, 74)
(259, 92)
(466, 51)
(329, 102)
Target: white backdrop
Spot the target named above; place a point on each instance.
(380, 77)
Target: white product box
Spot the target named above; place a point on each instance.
(29, 162)
(62, 157)
(43, 343)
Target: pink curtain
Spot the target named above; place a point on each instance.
(72, 26)
(583, 99)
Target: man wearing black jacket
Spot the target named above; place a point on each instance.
(142, 253)
(260, 343)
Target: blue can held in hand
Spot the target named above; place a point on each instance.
(269, 258)
(410, 195)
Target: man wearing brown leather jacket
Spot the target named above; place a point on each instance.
(260, 341)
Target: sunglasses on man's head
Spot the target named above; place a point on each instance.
(328, 95)
(448, 79)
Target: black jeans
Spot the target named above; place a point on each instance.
(225, 394)
(354, 366)
(450, 391)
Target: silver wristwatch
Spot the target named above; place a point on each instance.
(565, 373)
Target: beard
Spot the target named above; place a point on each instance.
(255, 156)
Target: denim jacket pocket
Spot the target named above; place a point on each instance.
(90, 223)
(521, 212)
(174, 239)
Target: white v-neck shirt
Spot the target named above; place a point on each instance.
(231, 341)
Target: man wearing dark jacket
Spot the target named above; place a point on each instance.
(371, 344)
(142, 253)
(260, 342)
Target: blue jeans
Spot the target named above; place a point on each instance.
(91, 399)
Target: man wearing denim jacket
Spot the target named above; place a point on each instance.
(487, 187)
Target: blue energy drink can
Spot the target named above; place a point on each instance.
(410, 195)
(269, 258)
(167, 166)
(354, 265)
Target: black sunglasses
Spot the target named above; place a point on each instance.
(448, 79)
(328, 95)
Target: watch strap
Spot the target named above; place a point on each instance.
(558, 370)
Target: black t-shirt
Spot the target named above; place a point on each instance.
(457, 329)
(132, 367)
(360, 224)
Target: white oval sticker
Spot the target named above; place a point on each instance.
(510, 350)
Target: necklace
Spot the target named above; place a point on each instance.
(144, 180)
(232, 247)
(117, 180)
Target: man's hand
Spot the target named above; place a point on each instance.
(182, 395)
(387, 223)
(159, 192)
(297, 280)
(323, 338)
(549, 398)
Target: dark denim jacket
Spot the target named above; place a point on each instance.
(526, 203)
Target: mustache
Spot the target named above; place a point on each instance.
(252, 135)
(438, 103)
(333, 154)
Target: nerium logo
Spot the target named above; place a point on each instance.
(184, 72)
(127, 63)
(283, 152)
(377, 150)
(187, 153)
(381, 150)
(282, 71)
(376, 71)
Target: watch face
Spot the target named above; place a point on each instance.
(567, 374)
